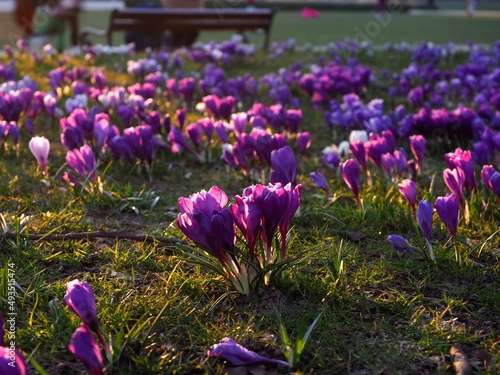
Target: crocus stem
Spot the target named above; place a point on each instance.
(106, 346)
(458, 256)
(283, 244)
(368, 178)
(431, 251)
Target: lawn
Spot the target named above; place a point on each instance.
(104, 209)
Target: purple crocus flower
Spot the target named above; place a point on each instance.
(359, 152)
(424, 220)
(247, 216)
(350, 173)
(239, 121)
(40, 148)
(418, 145)
(205, 221)
(178, 141)
(319, 181)
(409, 190)
(388, 163)
(11, 364)
(448, 210)
(82, 161)
(181, 117)
(303, 141)
(399, 243)
(486, 173)
(480, 153)
(463, 159)
(416, 97)
(284, 166)
(120, 148)
(291, 200)
(331, 158)
(455, 180)
(80, 299)
(194, 133)
(84, 347)
(495, 183)
(229, 350)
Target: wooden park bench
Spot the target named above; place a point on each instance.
(158, 20)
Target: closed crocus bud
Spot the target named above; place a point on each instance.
(455, 180)
(84, 347)
(284, 166)
(399, 244)
(424, 219)
(447, 208)
(247, 217)
(409, 190)
(350, 172)
(80, 299)
(11, 362)
(418, 145)
(388, 163)
(303, 141)
(495, 183)
(319, 181)
(359, 152)
(40, 148)
(486, 174)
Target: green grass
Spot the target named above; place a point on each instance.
(383, 312)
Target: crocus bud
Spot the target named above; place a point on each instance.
(284, 166)
(486, 174)
(350, 172)
(319, 180)
(304, 141)
(447, 208)
(409, 190)
(80, 298)
(455, 180)
(40, 148)
(399, 243)
(418, 145)
(424, 218)
(84, 347)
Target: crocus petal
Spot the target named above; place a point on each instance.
(40, 148)
(84, 347)
(80, 298)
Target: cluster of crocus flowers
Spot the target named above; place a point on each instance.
(80, 299)
(259, 213)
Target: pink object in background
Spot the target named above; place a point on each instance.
(309, 13)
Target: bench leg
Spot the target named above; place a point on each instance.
(266, 40)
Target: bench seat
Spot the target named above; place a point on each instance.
(157, 20)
